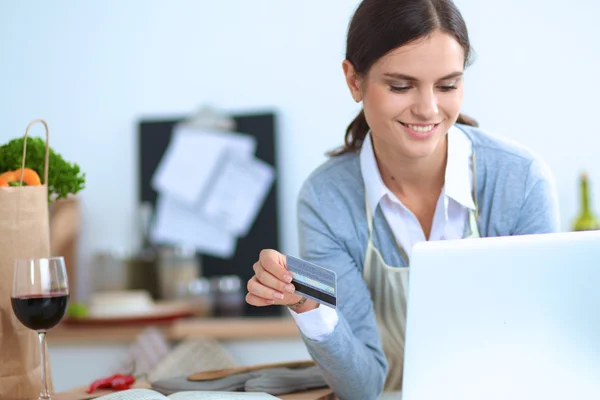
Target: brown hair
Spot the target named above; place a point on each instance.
(379, 26)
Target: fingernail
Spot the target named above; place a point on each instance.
(270, 302)
(287, 278)
(278, 295)
(290, 288)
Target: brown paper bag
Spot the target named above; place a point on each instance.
(24, 233)
(65, 229)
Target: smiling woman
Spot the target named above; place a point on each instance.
(412, 169)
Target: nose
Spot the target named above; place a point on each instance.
(425, 105)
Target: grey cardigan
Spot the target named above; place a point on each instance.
(515, 196)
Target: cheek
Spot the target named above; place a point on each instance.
(451, 102)
(381, 102)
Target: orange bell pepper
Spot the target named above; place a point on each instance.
(30, 177)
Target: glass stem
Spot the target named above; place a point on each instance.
(44, 395)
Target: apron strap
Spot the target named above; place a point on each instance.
(369, 252)
(369, 217)
(474, 169)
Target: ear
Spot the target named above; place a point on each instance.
(353, 81)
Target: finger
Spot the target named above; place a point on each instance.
(257, 268)
(260, 290)
(275, 263)
(258, 301)
(269, 280)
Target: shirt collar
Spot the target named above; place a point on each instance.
(458, 179)
(459, 171)
(374, 185)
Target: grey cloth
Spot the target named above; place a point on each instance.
(284, 380)
(274, 381)
(232, 383)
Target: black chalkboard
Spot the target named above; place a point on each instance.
(154, 137)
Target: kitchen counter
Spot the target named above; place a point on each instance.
(250, 340)
(217, 328)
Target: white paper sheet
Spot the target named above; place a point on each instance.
(147, 394)
(177, 223)
(193, 157)
(196, 395)
(134, 394)
(236, 196)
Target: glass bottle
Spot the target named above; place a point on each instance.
(587, 220)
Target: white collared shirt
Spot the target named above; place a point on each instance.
(449, 219)
(453, 204)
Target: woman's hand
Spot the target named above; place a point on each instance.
(271, 283)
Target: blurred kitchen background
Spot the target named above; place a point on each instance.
(95, 70)
(113, 79)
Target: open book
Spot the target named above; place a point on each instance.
(147, 394)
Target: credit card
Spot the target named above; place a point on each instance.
(312, 281)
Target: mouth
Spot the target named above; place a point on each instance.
(420, 131)
(421, 128)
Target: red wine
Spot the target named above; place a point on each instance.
(40, 312)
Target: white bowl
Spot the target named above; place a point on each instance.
(120, 303)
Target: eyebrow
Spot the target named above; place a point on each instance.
(411, 78)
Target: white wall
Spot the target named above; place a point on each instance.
(93, 68)
(535, 80)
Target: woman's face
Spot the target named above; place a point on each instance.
(412, 95)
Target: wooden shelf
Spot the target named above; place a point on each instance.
(217, 328)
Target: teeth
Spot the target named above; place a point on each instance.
(426, 128)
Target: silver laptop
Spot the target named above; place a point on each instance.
(511, 318)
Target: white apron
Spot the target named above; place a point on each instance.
(389, 292)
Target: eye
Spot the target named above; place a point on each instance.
(447, 88)
(399, 89)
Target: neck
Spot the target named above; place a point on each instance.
(404, 175)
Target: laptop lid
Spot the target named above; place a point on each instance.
(504, 318)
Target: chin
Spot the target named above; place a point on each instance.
(421, 151)
(421, 148)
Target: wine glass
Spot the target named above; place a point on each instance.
(39, 299)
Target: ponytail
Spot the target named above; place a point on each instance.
(355, 135)
(358, 129)
(466, 120)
